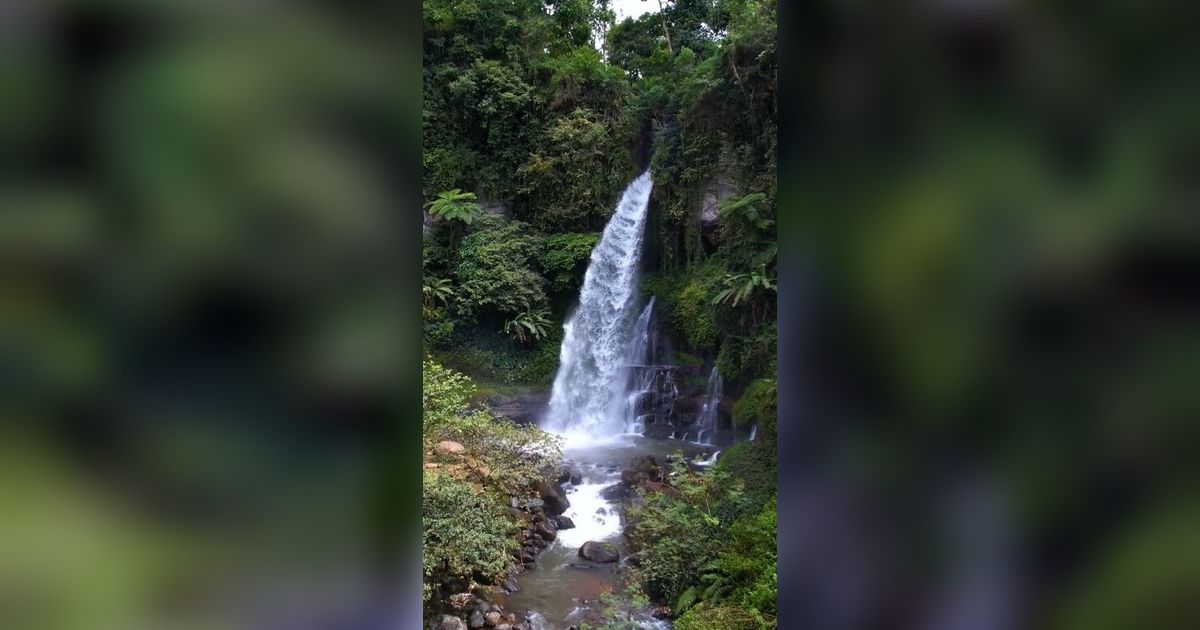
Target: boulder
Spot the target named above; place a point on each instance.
(475, 620)
(615, 492)
(449, 447)
(503, 626)
(546, 531)
(492, 618)
(450, 622)
(565, 522)
(555, 500)
(598, 552)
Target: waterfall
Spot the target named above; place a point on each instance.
(706, 421)
(641, 348)
(753, 431)
(590, 388)
(640, 354)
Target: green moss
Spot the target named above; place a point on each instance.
(757, 406)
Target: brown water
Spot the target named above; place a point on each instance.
(564, 588)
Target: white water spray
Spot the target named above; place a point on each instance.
(590, 389)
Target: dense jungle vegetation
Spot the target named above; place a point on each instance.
(536, 116)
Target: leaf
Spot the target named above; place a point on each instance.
(686, 599)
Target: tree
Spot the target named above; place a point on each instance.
(455, 205)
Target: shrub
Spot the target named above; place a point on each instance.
(564, 257)
(498, 454)
(746, 565)
(676, 533)
(465, 532)
(438, 331)
(743, 357)
(493, 271)
(723, 617)
(752, 463)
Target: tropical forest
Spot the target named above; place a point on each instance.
(599, 298)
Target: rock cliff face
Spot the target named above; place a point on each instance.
(522, 408)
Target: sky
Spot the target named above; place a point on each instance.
(633, 8)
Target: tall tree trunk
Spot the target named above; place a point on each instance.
(666, 33)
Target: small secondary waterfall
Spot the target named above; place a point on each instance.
(651, 391)
(589, 394)
(753, 432)
(706, 421)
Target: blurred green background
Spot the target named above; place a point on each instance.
(210, 409)
(209, 337)
(990, 230)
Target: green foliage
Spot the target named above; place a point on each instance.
(464, 532)
(435, 291)
(454, 205)
(747, 231)
(572, 179)
(753, 464)
(757, 406)
(494, 271)
(528, 326)
(563, 258)
(499, 455)
(745, 570)
(740, 287)
(438, 328)
(693, 315)
(496, 358)
(723, 617)
(677, 533)
(743, 357)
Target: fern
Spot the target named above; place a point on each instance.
(686, 600)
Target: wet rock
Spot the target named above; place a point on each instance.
(475, 620)
(598, 552)
(492, 618)
(503, 626)
(659, 431)
(546, 531)
(510, 585)
(576, 478)
(450, 622)
(564, 522)
(615, 492)
(552, 495)
(510, 618)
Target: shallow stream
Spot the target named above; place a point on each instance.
(563, 589)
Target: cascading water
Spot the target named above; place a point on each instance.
(706, 421)
(589, 393)
(753, 431)
(651, 391)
